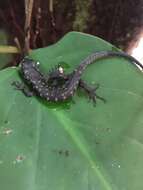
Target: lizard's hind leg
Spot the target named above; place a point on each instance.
(21, 86)
(91, 91)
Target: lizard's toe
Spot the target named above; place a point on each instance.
(93, 96)
(18, 85)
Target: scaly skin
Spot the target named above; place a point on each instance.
(39, 83)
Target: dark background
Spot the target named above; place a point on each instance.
(119, 22)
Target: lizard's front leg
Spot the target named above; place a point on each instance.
(91, 91)
(21, 86)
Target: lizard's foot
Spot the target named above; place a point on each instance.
(91, 91)
(21, 86)
(93, 96)
(18, 85)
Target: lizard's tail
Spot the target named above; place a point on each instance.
(105, 54)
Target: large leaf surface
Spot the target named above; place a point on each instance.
(74, 145)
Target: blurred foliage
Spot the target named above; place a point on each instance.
(118, 22)
(82, 14)
(4, 58)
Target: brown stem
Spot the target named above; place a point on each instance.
(37, 14)
(28, 14)
(51, 9)
(18, 44)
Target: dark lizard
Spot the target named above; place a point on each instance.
(59, 86)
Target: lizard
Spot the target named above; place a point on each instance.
(59, 91)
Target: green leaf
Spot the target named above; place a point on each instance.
(4, 57)
(74, 145)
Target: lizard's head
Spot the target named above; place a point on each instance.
(27, 63)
